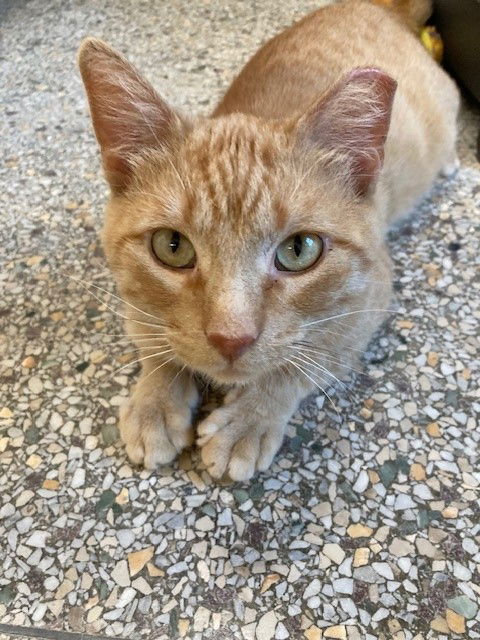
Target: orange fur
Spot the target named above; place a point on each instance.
(298, 143)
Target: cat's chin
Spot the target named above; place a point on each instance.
(227, 377)
(230, 375)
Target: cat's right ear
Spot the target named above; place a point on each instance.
(348, 127)
(128, 115)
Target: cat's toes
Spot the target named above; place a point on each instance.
(223, 457)
(179, 428)
(215, 440)
(215, 457)
(146, 442)
(158, 450)
(230, 446)
(207, 429)
(270, 443)
(232, 454)
(251, 454)
(154, 438)
(242, 464)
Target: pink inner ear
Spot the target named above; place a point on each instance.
(353, 119)
(127, 114)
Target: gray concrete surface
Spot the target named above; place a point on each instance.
(367, 525)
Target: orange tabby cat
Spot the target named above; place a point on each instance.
(249, 245)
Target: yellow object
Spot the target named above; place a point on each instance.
(432, 42)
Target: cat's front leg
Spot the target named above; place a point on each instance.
(243, 436)
(156, 422)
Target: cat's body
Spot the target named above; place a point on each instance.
(293, 161)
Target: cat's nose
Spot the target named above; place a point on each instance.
(231, 347)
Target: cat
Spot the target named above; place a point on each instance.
(249, 245)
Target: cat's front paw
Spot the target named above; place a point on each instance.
(154, 428)
(237, 441)
(154, 435)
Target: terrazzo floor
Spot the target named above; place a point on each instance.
(368, 524)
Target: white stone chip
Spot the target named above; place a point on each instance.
(383, 569)
(343, 585)
(361, 483)
(205, 524)
(38, 539)
(120, 574)
(266, 626)
(78, 478)
(403, 502)
(312, 589)
(334, 552)
(7, 510)
(35, 385)
(126, 597)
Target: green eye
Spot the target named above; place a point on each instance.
(173, 249)
(299, 252)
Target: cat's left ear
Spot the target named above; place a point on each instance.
(127, 114)
(349, 125)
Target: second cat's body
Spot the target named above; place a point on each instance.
(249, 245)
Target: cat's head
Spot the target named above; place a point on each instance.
(234, 233)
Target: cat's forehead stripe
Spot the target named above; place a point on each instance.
(233, 170)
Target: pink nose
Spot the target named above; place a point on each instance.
(231, 347)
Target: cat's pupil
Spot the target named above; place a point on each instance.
(175, 241)
(297, 245)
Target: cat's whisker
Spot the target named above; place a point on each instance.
(139, 350)
(325, 381)
(307, 344)
(348, 313)
(297, 366)
(157, 368)
(308, 360)
(337, 335)
(87, 284)
(332, 359)
(351, 328)
(130, 336)
(122, 336)
(385, 283)
(152, 355)
(120, 315)
(143, 348)
(345, 387)
(149, 339)
(179, 372)
(139, 335)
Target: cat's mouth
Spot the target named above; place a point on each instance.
(232, 373)
(241, 371)
(229, 373)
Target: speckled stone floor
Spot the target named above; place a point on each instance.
(368, 524)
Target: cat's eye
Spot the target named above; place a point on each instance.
(299, 252)
(173, 249)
